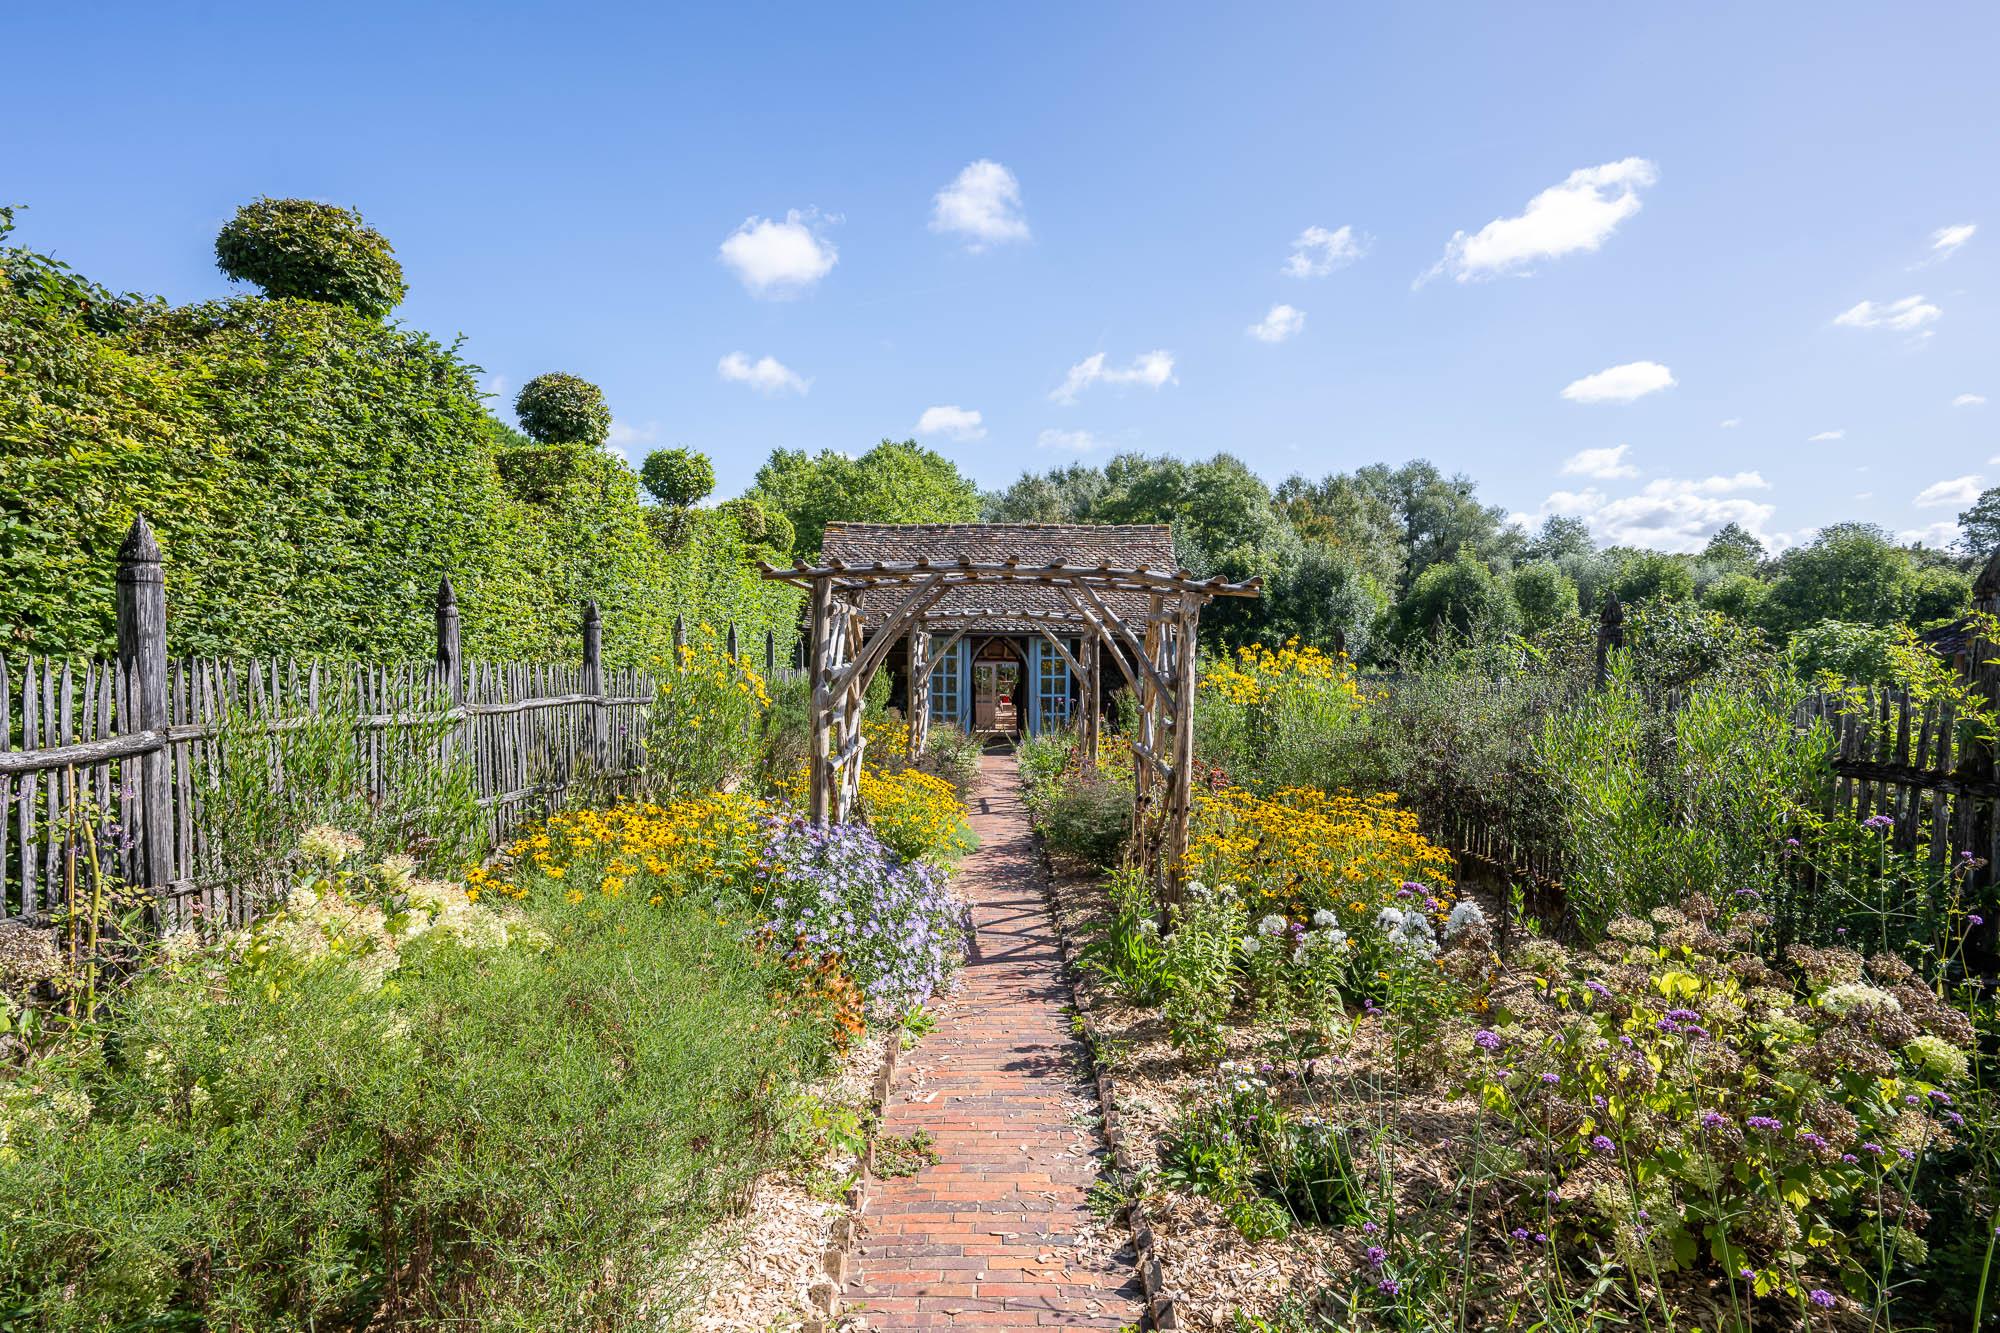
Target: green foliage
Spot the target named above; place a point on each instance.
(1729, 1124)
(388, 1107)
(1270, 1170)
(681, 478)
(1979, 526)
(1544, 595)
(1457, 597)
(1858, 653)
(891, 483)
(557, 408)
(1851, 571)
(1735, 548)
(1089, 818)
(1649, 576)
(702, 730)
(312, 473)
(312, 251)
(1654, 800)
(1738, 596)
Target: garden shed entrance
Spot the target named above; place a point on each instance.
(1008, 626)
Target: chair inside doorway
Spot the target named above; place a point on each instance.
(996, 686)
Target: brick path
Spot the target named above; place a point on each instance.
(996, 1234)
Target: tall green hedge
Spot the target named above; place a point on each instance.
(312, 472)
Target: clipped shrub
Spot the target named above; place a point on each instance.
(682, 478)
(557, 408)
(312, 251)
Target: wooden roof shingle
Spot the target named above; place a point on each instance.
(1120, 546)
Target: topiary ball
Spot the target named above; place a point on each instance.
(561, 409)
(779, 534)
(677, 477)
(752, 519)
(312, 251)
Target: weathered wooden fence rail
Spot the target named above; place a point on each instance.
(119, 758)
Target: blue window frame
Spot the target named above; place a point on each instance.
(948, 687)
(1052, 684)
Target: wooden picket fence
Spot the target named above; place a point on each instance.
(118, 759)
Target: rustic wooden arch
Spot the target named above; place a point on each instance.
(1156, 655)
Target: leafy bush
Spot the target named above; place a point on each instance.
(680, 478)
(702, 730)
(1268, 1168)
(312, 251)
(558, 408)
(1684, 1104)
(387, 1105)
(1286, 717)
(1088, 818)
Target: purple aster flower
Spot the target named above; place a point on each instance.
(1713, 1120)
(1684, 1015)
(1368, 1228)
(1486, 1039)
(1872, 1149)
(1603, 1144)
(1519, 1233)
(1975, 920)
(1541, 1239)
(1849, 1158)
(1764, 1122)
(1390, 1286)
(1747, 1274)
(1376, 1256)
(1821, 1297)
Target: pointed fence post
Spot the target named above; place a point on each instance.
(597, 731)
(734, 656)
(1610, 634)
(680, 639)
(770, 653)
(142, 663)
(450, 666)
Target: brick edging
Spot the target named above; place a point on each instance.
(1162, 1303)
(843, 1242)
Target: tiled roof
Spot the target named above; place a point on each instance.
(1127, 546)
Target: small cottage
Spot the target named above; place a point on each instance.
(1002, 676)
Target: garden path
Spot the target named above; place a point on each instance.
(997, 1233)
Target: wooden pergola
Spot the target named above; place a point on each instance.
(1154, 650)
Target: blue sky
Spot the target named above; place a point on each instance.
(1710, 189)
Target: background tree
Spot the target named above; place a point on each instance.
(895, 482)
(1735, 548)
(1458, 595)
(1544, 596)
(1652, 576)
(311, 251)
(1979, 526)
(1440, 515)
(679, 478)
(1852, 572)
(1738, 596)
(1357, 522)
(557, 408)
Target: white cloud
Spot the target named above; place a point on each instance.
(1955, 491)
(623, 433)
(496, 386)
(1969, 400)
(983, 204)
(1864, 495)
(780, 259)
(1946, 240)
(1732, 423)
(1944, 532)
(1604, 464)
(1318, 252)
(1905, 316)
(1076, 441)
(1621, 384)
(1281, 323)
(1150, 369)
(1826, 435)
(1579, 214)
(953, 422)
(1670, 514)
(767, 375)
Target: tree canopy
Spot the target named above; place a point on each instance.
(895, 482)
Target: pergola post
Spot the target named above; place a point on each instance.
(1180, 778)
(1093, 695)
(819, 676)
(920, 689)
